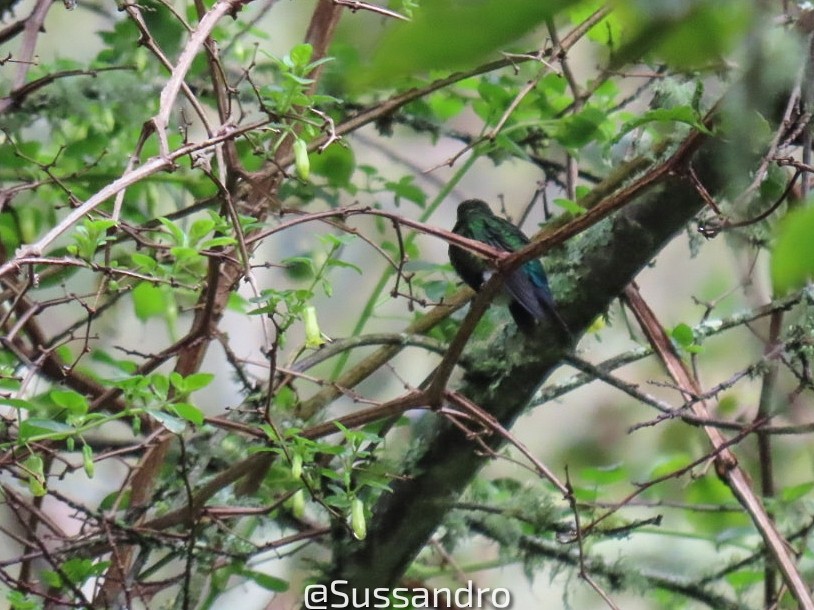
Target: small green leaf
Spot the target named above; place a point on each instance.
(268, 582)
(453, 35)
(792, 263)
(70, 400)
(678, 114)
(79, 569)
(34, 467)
(35, 426)
(569, 206)
(200, 228)
(52, 579)
(177, 235)
(683, 335)
(577, 130)
(184, 254)
(300, 55)
(142, 261)
(285, 398)
(125, 366)
(217, 242)
(795, 492)
(170, 422)
(336, 163)
(189, 412)
(335, 262)
(405, 189)
(121, 500)
(743, 579)
(161, 384)
(149, 301)
(605, 475)
(16, 403)
(197, 381)
(21, 601)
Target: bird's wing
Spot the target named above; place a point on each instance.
(523, 290)
(519, 284)
(530, 290)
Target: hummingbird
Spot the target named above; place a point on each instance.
(526, 286)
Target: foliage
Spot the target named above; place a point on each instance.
(207, 222)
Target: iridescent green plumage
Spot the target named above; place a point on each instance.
(527, 286)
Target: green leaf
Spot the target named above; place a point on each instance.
(300, 267)
(606, 475)
(189, 412)
(52, 579)
(795, 492)
(268, 582)
(336, 163)
(197, 381)
(183, 254)
(335, 262)
(170, 422)
(678, 114)
(569, 206)
(683, 335)
(161, 383)
(34, 467)
(296, 504)
(405, 188)
(687, 34)
(16, 403)
(217, 242)
(607, 31)
(9, 231)
(709, 489)
(448, 35)
(70, 400)
(792, 263)
(121, 500)
(78, 569)
(20, 601)
(126, 366)
(285, 398)
(578, 130)
(743, 579)
(35, 426)
(142, 261)
(149, 301)
(200, 228)
(177, 235)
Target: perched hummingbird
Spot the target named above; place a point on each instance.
(527, 286)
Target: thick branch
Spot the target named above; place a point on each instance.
(509, 368)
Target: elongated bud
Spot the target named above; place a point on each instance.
(36, 475)
(87, 460)
(301, 163)
(313, 336)
(296, 466)
(298, 504)
(357, 519)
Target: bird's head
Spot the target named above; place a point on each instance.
(472, 208)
